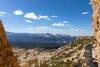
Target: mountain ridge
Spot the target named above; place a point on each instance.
(29, 40)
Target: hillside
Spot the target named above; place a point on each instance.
(67, 56)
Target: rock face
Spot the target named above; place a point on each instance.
(6, 55)
(96, 25)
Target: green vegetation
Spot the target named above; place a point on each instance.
(54, 64)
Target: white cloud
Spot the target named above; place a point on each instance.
(44, 28)
(28, 29)
(2, 13)
(49, 19)
(58, 24)
(66, 22)
(84, 13)
(43, 17)
(18, 12)
(69, 25)
(31, 15)
(54, 16)
(90, 3)
(74, 29)
(28, 21)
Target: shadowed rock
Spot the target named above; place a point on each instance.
(88, 55)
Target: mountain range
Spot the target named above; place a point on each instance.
(39, 40)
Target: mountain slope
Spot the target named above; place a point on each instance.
(70, 55)
(73, 52)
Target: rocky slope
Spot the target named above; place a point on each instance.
(75, 54)
(6, 55)
(80, 53)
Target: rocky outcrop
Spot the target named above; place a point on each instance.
(96, 25)
(6, 55)
(88, 55)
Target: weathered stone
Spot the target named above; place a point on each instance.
(6, 55)
(96, 25)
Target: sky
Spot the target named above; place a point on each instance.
(68, 17)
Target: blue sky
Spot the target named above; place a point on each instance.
(47, 16)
